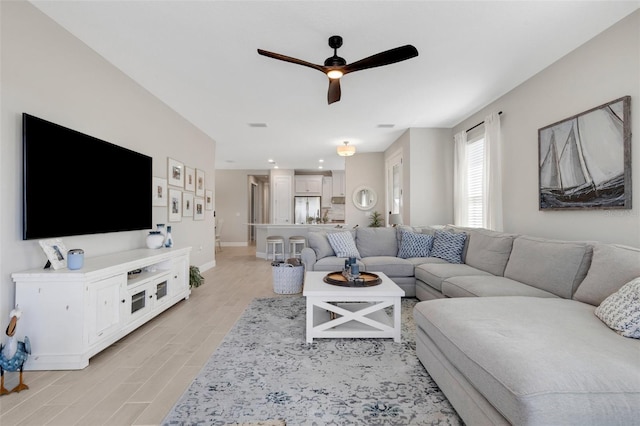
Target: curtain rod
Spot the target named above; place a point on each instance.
(480, 123)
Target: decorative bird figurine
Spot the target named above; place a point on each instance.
(14, 354)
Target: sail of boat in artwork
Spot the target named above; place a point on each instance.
(584, 161)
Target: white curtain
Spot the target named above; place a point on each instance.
(492, 204)
(460, 198)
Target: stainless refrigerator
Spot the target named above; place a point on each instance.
(305, 207)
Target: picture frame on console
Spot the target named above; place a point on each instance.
(198, 209)
(159, 192)
(175, 172)
(175, 205)
(56, 253)
(200, 183)
(585, 160)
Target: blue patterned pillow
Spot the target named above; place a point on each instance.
(342, 243)
(415, 245)
(621, 310)
(448, 246)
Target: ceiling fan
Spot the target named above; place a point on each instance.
(335, 66)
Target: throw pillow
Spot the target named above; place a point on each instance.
(415, 245)
(342, 243)
(448, 246)
(621, 310)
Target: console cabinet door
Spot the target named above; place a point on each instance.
(104, 307)
(180, 276)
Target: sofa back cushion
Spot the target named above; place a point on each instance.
(318, 241)
(612, 266)
(376, 242)
(488, 250)
(555, 266)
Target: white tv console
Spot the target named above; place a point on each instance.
(71, 315)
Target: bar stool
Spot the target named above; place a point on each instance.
(273, 241)
(294, 241)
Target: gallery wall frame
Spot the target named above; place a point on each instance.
(187, 204)
(198, 208)
(158, 192)
(189, 179)
(585, 160)
(175, 205)
(175, 172)
(200, 183)
(208, 199)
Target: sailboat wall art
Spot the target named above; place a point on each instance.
(585, 160)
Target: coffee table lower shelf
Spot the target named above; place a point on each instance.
(351, 320)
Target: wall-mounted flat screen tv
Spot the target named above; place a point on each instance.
(76, 184)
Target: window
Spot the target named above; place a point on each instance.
(475, 187)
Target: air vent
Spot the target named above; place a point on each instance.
(257, 124)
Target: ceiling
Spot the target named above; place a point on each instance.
(200, 58)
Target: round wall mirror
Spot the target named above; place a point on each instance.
(364, 198)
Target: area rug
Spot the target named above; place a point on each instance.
(265, 370)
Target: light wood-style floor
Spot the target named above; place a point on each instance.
(137, 380)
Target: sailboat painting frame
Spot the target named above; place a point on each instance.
(585, 160)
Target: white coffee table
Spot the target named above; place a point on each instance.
(360, 311)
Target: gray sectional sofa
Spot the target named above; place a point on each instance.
(510, 334)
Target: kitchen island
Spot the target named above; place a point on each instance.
(287, 230)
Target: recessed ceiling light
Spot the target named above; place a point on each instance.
(229, 161)
(270, 161)
(257, 124)
(321, 160)
(319, 167)
(386, 126)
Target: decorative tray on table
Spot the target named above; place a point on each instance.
(365, 279)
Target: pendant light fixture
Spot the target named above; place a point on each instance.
(346, 150)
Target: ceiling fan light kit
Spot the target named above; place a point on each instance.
(335, 67)
(346, 150)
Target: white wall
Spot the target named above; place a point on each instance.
(232, 204)
(603, 69)
(364, 169)
(427, 175)
(47, 72)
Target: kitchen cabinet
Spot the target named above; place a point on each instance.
(308, 184)
(338, 183)
(71, 315)
(327, 191)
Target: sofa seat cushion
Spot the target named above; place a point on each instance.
(483, 286)
(389, 265)
(434, 273)
(538, 360)
(333, 263)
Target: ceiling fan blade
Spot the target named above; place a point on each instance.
(290, 59)
(383, 58)
(334, 90)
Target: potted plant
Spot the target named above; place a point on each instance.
(375, 220)
(195, 278)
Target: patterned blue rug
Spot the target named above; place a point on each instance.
(265, 370)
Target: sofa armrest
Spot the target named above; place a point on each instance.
(308, 257)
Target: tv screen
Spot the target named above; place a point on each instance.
(75, 184)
